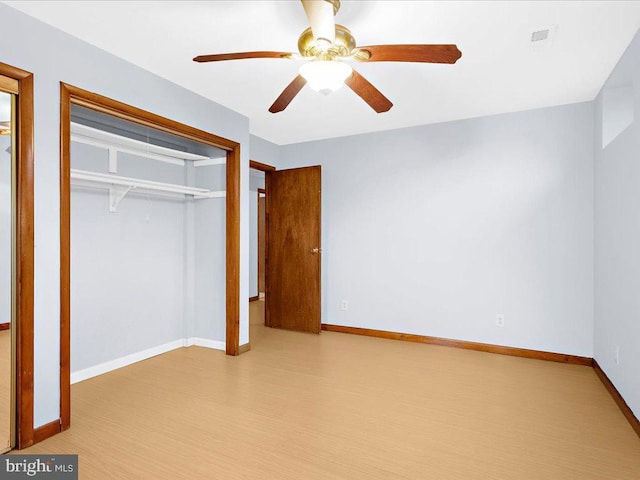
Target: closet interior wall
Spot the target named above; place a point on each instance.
(5, 233)
(209, 247)
(143, 262)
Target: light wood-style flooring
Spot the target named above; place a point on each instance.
(336, 406)
(256, 314)
(5, 389)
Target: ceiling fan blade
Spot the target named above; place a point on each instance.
(241, 55)
(410, 53)
(288, 94)
(370, 94)
(321, 18)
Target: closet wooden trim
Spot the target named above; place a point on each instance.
(45, 431)
(70, 95)
(233, 252)
(9, 85)
(65, 258)
(24, 256)
(107, 105)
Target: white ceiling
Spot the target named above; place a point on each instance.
(499, 70)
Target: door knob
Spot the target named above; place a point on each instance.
(316, 250)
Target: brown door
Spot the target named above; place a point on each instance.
(293, 249)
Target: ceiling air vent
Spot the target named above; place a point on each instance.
(542, 38)
(540, 35)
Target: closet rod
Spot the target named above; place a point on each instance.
(110, 180)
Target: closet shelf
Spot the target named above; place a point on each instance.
(111, 141)
(120, 186)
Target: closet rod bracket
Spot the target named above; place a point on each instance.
(116, 194)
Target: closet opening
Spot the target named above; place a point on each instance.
(7, 261)
(149, 238)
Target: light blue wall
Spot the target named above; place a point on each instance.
(147, 274)
(435, 230)
(54, 56)
(127, 267)
(264, 151)
(617, 228)
(210, 256)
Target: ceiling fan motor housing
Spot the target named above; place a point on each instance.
(343, 46)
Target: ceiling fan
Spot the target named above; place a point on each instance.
(327, 46)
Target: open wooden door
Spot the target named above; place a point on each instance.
(293, 249)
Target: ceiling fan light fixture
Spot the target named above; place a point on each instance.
(325, 76)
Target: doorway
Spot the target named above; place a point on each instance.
(289, 235)
(293, 263)
(16, 258)
(257, 243)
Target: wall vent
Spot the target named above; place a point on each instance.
(542, 38)
(540, 35)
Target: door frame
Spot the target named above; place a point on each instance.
(262, 238)
(263, 167)
(70, 95)
(260, 191)
(24, 254)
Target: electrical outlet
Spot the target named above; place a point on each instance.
(500, 320)
(617, 355)
(344, 305)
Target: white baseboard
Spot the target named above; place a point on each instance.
(205, 342)
(111, 365)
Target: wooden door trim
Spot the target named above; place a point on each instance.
(24, 256)
(70, 95)
(261, 191)
(263, 167)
